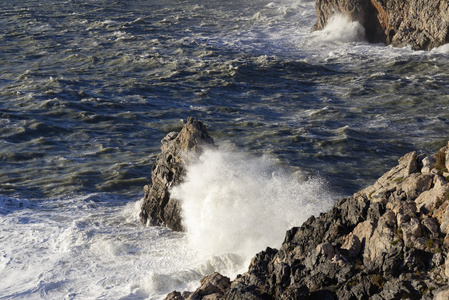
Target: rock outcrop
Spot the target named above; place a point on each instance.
(212, 287)
(420, 23)
(178, 150)
(387, 241)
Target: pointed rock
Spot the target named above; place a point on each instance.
(178, 151)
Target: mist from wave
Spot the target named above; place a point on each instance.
(235, 203)
(89, 88)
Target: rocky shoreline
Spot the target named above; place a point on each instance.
(421, 24)
(388, 241)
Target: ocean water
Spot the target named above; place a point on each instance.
(88, 88)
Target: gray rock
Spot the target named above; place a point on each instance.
(178, 150)
(388, 241)
(213, 286)
(353, 245)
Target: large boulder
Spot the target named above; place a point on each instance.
(387, 241)
(178, 151)
(422, 24)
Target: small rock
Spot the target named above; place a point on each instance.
(411, 231)
(326, 249)
(415, 184)
(442, 295)
(382, 238)
(212, 286)
(178, 150)
(353, 245)
(404, 211)
(174, 296)
(445, 222)
(432, 227)
(446, 163)
(427, 165)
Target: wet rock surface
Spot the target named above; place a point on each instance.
(419, 23)
(177, 151)
(387, 241)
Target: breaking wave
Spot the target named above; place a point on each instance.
(235, 203)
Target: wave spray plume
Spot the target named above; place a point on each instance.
(234, 203)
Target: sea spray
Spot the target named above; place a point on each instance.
(340, 28)
(235, 203)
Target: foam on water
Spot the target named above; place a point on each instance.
(235, 203)
(85, 248)
(442, 49)
(94, 246)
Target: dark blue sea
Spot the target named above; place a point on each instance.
(88, 88)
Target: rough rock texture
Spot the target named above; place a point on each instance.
(387, 241)
(420, 23)
(178, 150)
(212, 287)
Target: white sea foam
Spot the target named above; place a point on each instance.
(235, 203)
(444, 49)
(83, 247)
(340, 29)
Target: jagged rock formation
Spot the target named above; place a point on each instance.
(419, 23)
(388, 241)
(178, 150)
(212, 287)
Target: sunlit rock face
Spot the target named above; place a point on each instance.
(387, 241)
(423, 25)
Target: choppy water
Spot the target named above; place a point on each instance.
(88, 88)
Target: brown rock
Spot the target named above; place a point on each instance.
(382, 238)
(415, 184)
(428, 163)
(212, 286)
(419, 23)
(364, 230)
(393, 179)
(429, 200)
(326, 249)
(405, 211)
(446, 162)
(444, 294)
(411, 231)
(432, 227)
(178, 150)
(445, 221)
(174, 296)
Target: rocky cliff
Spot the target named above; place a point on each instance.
(388, 241)
(420, 23)
(177, 151)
